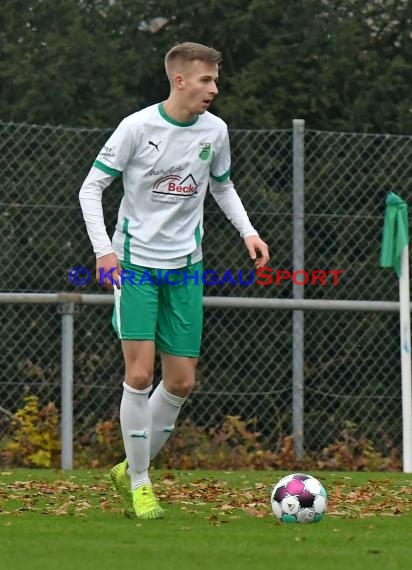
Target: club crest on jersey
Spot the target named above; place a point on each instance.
(174, 188)
(204, 150)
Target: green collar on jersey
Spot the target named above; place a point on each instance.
(172, 121)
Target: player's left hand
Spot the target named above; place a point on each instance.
(258, 250)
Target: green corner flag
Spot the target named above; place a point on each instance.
(395, 232)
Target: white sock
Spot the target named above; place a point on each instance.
(165, 408)
(135, 421)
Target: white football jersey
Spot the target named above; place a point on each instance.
(166, 167)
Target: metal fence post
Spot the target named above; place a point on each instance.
(298, 292)
(67, 310)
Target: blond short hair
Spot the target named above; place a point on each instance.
(190, 51)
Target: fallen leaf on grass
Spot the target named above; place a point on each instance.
(224, 508)
(255, 512)
(63, 510)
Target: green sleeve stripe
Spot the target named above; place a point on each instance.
(198, 236)
(127, 236)
(222, 178)
(111, 171)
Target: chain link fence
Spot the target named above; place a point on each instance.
(351, 360)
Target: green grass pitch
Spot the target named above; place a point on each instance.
(214, 520)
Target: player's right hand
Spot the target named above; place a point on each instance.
(108, 271)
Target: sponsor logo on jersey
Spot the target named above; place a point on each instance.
(175, 187)
(107, 151)
(167, 171)
(204, 150)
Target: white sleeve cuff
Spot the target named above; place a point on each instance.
(251, 232)
(104, 252)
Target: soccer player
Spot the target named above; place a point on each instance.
(167, 155)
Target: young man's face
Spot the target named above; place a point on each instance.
(197, 85)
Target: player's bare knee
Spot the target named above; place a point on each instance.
(188, 384)
(139, 379)
(180, 386)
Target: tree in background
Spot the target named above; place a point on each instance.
(340, 64)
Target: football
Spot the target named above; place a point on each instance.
(299, 498)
